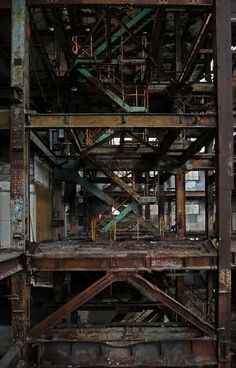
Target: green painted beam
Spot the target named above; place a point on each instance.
(136, 30)
(141, 15)
(87, 74)
(94, 190)
(130, 207)
(75, 178)
(103, 136)
(116, 179)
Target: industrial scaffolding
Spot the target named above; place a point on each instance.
(129, 289)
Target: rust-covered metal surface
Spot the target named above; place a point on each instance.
(7, 3)
(195, 339)
(154, 354)
(161, 255)
(103, 334)
(10, 263)
(119, 120)
(225, 176)
(18, 161)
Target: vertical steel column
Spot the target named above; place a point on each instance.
(58, 278)
(209, 207)
(18, 151)
(180, 204)
(147, 193)
(211, 286)
(19, 90)
(224, 179)
(161, 210)
(180, 286)
(209, 198)
(178, 43)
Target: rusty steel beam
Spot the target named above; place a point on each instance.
(47, 121)
(19, 305)
(153, 354)
(196, 146)
(43, 55)
(167, 142)
(157, 34)
(161, 150)
(196, 3)
(45, 150)
(73, 304)
(10, 264)
(180, 204)
(120, 333)
(137, 165)
(120, 121)
(116, 179)
(191, 151)
(209, 205)
(19, 160)
(224, 174)
(5, 119)
(195, 49)
(110, 263)
(91, 259)
(19, 75)
(155, 61)
(154, 293)
(134, 2)
(201, 87)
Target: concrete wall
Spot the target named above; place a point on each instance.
(40, 173)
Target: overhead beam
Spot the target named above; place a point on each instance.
(137, 165)
(120, 333)
(6, 3)
(120, 121)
